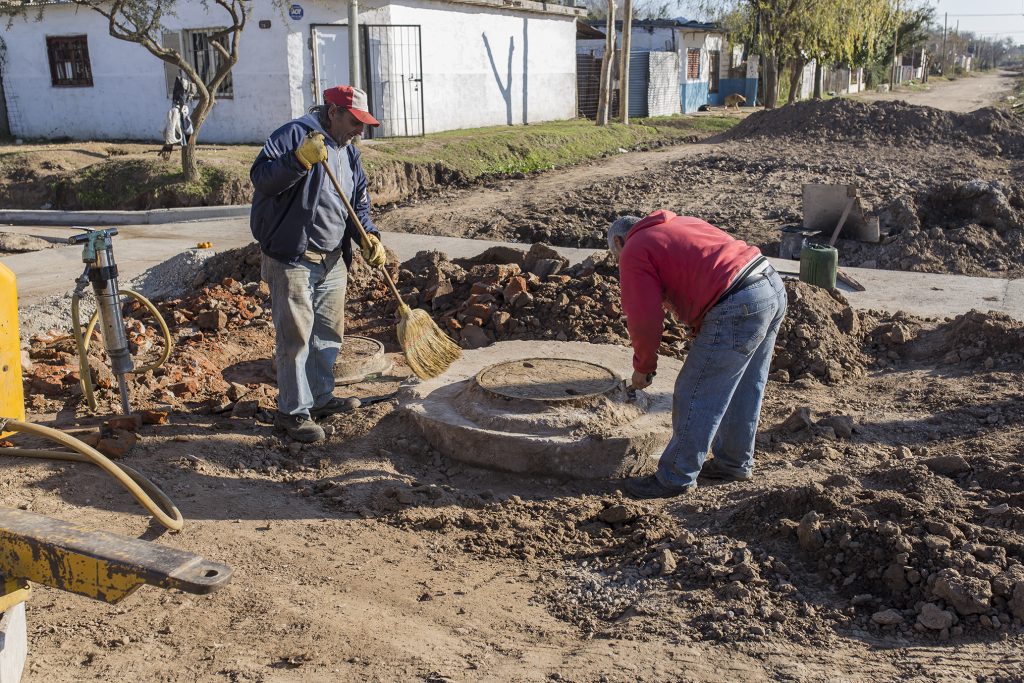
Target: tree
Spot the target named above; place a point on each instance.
(787, 34)
(140, 21)
(604, 95)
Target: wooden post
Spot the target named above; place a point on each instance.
(627, 39)
(604, 97)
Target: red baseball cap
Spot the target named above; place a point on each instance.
(353, 99)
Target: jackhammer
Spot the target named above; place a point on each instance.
(101, 272)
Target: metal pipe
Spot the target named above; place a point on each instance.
(353, 43)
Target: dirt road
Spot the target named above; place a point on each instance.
(964, 94)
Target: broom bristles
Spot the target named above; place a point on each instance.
(428, 350)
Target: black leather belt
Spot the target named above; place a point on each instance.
(750, 278)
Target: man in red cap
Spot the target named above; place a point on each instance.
(306, 235)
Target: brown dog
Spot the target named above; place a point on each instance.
(734, 101)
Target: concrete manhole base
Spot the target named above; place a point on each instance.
(546, 408)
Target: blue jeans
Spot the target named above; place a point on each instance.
(307, 301)
(719, 389)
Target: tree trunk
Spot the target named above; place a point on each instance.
(796, 74)
(604, 98)
(627, 39)
(771, 81)
(189, 160)
(189, 164)
(819, 75)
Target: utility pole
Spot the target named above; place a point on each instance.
(944, 22)
(627, 39)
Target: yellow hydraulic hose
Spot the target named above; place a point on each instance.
(144, 491)
(82, 341)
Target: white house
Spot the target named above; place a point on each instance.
(427, 65)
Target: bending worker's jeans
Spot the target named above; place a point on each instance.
(719, 390)
(307, 300)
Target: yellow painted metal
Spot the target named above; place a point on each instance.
(14, 591)
(98, 564)
(12, 400)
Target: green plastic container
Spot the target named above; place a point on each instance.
(818, 265)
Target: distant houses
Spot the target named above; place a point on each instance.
(692, 60)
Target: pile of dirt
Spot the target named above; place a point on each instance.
(908, 545)
(619, 558)
(972, 227)
(820, 338)
(993, 131)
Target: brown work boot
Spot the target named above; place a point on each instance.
(299, 427)
(334, 406)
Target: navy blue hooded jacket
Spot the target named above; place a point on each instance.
(286, 195)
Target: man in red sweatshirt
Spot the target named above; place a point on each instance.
(728, 294)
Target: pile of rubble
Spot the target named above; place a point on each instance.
(991, 131)
(510, 294)
(972, 227)
(821, 337)
(907, 545)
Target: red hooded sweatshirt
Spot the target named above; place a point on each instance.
(680, 261)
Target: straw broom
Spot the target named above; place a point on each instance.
(428, 350)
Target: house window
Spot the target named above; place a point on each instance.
(69, 61)
(693, 64)
(714, 73)
(206, 59)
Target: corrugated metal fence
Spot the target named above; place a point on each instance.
(653, 84)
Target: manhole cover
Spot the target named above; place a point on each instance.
(547, 379)
(359, 357)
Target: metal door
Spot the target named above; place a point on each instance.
(394, 78)
(330, 58)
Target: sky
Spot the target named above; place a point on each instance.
(1011, 26)
(986, 26)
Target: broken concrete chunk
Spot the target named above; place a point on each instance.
(967, 594)
(799, 420)
(948, 465)
(889, 617)
(211, 320)
(934, 618)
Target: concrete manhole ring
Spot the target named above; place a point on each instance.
(547, 379)
(359, 357)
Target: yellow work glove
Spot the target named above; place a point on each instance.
(312, 150)
(373, 251)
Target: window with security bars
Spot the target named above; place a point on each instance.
(693, 64)
(714, 70)
(206, 59)
(69, 61)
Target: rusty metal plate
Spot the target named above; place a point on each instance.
(547, 379)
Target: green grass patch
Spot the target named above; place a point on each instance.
(509, 150)
(109, 176)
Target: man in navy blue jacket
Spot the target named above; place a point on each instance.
(306, 234)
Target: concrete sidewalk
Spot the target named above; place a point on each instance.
(138, 248)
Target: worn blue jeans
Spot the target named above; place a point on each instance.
(307, 301)
(718, 392)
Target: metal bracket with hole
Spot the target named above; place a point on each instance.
(97, 564)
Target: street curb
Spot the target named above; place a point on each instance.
(151, 217)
